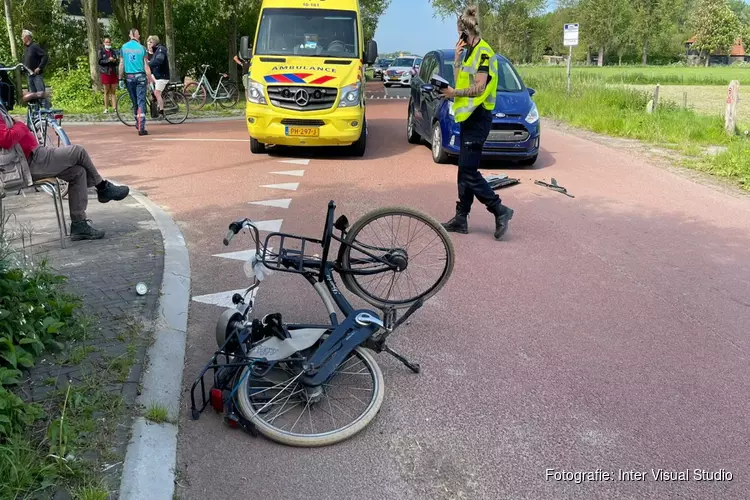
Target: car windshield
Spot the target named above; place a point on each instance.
(403, 61)
(308, 33)
(385, 63)
(508, 79)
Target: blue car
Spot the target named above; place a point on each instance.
(515, 130)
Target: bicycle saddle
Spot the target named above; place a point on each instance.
(224, 75)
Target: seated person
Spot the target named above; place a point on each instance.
(309, 45)
(69, 163)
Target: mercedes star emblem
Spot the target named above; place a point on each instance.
(301, 97)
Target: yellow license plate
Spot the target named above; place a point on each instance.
(394, 78)
(303, 131)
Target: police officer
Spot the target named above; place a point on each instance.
(473, 102)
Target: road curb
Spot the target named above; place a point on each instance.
(149, 468)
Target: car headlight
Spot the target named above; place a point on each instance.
(349, 96)
(254, 92)
(533, 115)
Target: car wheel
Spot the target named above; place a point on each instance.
(411, 133)
(257, 148)
(438, 154)
(358, 148)
(387, 85)
(527, 162)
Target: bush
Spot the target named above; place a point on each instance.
(71, 90)
(35, 315)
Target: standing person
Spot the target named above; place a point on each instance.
(245, 65)
(35, 58)
(158, 61)
(136, 73)
(108, 73)
(474, 100)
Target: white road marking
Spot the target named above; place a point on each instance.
(280, 203)
(296, 173)
(271, 226)
(243, 255)
(296, 162)
(289, 186)
(195, 139)
(223, 299)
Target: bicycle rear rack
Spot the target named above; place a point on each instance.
(298, 255)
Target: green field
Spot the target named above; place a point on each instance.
(642, 75)
(613, 100)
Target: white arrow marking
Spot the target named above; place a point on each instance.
(289, 186)
(224, 299)
(296, 162)
(271, 226)
(243, 255)
(296, 173)
(280, 203)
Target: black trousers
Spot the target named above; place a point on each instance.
(474, 132)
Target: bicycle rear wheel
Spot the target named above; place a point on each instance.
(232, 96)
(125, 110)
(414, 241)
(52, 135)
(286, 411)
(175, 107)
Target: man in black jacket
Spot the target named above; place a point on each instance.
(158, 61)
(35, 58)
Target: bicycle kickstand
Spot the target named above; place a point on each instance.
(412, 366)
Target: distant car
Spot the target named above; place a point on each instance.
(401, 70)
(379, 68)
(516, 130)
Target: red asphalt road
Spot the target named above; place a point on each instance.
(608, 331)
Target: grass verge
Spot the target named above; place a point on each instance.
(621, 112)
(643, 75)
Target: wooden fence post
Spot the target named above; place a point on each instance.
(656, 96)
(730, 116)
(684, 100)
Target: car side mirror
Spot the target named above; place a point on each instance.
(372, 52)
(245, 47)
(531, 92)
(427, 88)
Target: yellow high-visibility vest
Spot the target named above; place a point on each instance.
(464, 106)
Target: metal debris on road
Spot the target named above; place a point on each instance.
(555, 187)
(500, 181)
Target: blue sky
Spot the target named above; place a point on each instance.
(411, 25)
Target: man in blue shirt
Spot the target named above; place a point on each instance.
(134, 69)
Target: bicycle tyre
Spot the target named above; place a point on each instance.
(350, 281)
(176, 119)
(199, 100)
(234, 96)
(245, 406)
(125, 109)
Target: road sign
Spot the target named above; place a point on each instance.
(570, 35)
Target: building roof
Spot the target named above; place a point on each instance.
(738, 49)
(75, 7)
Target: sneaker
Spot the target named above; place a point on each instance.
(106, 110)
(82, 230)
(143, 132)
(111, 192)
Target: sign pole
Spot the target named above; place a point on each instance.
(570, 61)
(570, 40)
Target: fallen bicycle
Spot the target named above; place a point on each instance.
(274, 378)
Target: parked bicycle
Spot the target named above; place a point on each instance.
(226, 94)
(46, 124)
(286, 381)
(176, 107)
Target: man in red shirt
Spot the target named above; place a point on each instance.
(69, 163)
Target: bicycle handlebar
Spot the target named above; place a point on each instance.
(237, 226)
(17, 66)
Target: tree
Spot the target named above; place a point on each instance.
(655, 22)
(12, 40)
(169, 39)
(603, 23)
(716, 27)
(371, 12)
(91, 13)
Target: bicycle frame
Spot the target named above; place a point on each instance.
(215, 96)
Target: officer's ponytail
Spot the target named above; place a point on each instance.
(469, 20)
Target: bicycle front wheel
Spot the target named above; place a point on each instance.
(409, 239)
(231, 97)
(125, 109)
(175, 107)
(286, 411)
(195, 94)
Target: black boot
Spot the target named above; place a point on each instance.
(459, 223)
(503, 215)
(109, 192)
(82, 230)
